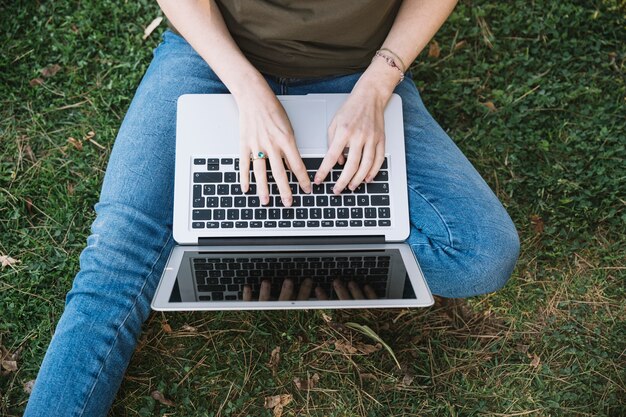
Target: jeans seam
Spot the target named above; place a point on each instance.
(445, 224)
(130, 310)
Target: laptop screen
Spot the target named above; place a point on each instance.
(295, 275)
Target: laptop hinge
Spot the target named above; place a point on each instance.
(289, 240)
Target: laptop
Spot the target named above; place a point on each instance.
(344, 251)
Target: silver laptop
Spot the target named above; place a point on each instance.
(235, 254)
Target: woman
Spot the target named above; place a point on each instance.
(460, 233)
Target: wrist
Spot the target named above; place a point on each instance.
(379, 80)
(250, 84)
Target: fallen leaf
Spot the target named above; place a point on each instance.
(407, 379)
(150, 28)
(459, 45)
(368, 349)
(157, 395)
(35, 82)
(70, 188)
(166, 327)
(6, 260)
(326, 318)
(310, 383)
(188, 328)
(78, 144)
(9, 366)
(50, 70)
(90, 135)
(345, 347)
(490, 106)
(434, 50)
(274, 359)
(537, 223)
(277, 402)
(28, 386)
(534, 363)
(29, 206)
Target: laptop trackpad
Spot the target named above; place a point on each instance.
(308, 119)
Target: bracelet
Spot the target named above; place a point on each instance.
(390, 61)
(403, 68)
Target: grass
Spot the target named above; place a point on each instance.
(533, 93)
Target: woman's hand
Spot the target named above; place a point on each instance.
(264, 127)
(359, 125)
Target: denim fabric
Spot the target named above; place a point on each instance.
(462, 237)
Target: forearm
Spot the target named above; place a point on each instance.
(201, 23)
(415, 25)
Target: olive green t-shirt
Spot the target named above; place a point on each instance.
(308, 39)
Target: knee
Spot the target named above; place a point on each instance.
(482, 263)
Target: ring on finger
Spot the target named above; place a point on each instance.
(259, 155)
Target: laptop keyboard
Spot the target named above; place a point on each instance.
(224, 278)
(219, 203)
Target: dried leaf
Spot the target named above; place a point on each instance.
(434, 50)
(70, 188)
(326, 318)
(28, 386)
(368, 349)
(537, 223)
(459, 45)
(35, 82)
(6, 260)
(407, 379)
(166, 327)
(490, 106)
(78, 144)
(9, 366)
(277, 402)
(29, 153)
(90, 135)
(157, 395)
(274, 359)
(150, 28)
(29, 206)
(50, 70)
(534, 363)
(188, 328)
(310, 383)
(345, 347)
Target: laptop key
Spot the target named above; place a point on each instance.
(247, 214)
(356, 213)
(212, 202)
(329, 213)
(322, 200)
(213, 161)
(197, 191)
(240, 201)
(256, 225)
(302, 213)
(384, 212)
(384, 165)
(218, 296)
(360, 189)
(380, 200)
(212, 225)
(312, 163)
(211, 288)
(198, 202)
(209, 189)
(288, 213)
(269, 224)
(254, 201)
(260, 214)
(378, 188)
(370, 213)
(199, 161)
(298, 223)
(226, 202)
(201, 215)
(227, 161)
(207, 177)
(308, 201)
(235, 189)
(230, 177)
(219, 214)
(382, 176)
(335, 200)
(349, 200)
(284, 223)
(370, 223)
(317, 188)
(315, 213)
(232, 214)
(223, 189)
(197, 225)
(363, 200)
(384, 222)
(213, 167)
(327, 223)
(356, 223)
(274, 214)
(343, 213)
(313, 223)
(341, 223)
(226, 225)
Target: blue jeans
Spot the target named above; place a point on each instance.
(462, 237)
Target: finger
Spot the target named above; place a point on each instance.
(367, 159)
(355, 290)
(264, 292)
(280, 176)
(320, 293)
(260, 175)
(341, 290)
(295, 164)
(305, 289)
(378, 161)
(247, 293)
(330, 159)
(286, 291)
(244, 168)
(352, 165)
(369, 292)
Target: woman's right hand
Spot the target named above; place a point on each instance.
(265, 127)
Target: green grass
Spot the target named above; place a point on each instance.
(551, 343)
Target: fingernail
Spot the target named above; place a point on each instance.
(286, 201)
(265, 199)
(307, 189)
(317, 180)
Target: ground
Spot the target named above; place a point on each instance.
(532, 91)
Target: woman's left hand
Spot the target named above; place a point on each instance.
(359, 125)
